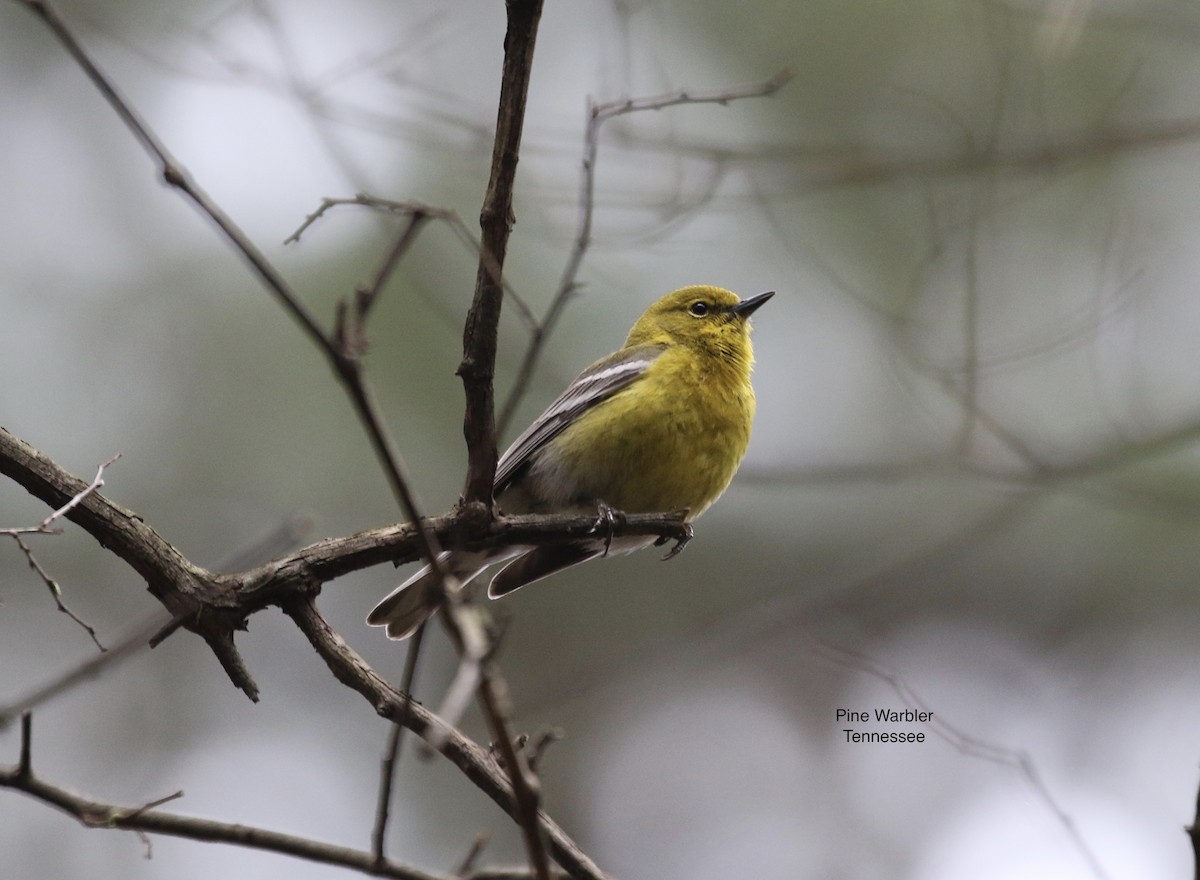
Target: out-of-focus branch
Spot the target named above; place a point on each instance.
(343, 357)
(173, 173)
(91, 669)
(411, 208)
(478, 365)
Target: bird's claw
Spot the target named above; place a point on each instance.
(680, 542)
(607, 518)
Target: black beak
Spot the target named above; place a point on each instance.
(746, 307)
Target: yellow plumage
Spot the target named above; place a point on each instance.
(659, 425)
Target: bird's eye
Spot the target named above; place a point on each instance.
(699, 308)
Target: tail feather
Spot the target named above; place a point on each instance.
(418, 598)
(539, 563)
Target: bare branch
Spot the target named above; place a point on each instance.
(472, 857)
(478, 365)
(391, 758)
(147, 818)
(445, 215)
(56, 592)
(174, 174)
(47, 527)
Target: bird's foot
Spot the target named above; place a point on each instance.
(607, 518)
(680, 542)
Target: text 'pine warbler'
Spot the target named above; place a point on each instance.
(660, 425)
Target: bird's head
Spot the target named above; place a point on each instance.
(708, 317)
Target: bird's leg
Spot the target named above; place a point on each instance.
(680, 542)
(607, 518)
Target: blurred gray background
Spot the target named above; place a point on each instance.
(973, 482)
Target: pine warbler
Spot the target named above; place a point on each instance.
(660, 425)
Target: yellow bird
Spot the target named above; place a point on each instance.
(659, 425)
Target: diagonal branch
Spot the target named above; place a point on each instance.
(343, 359)
(148, 819)
(173, 173)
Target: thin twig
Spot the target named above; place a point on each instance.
(147, 818)
(467, 865)
(174, 173)
(543, 741)
(283, 538)
(56, 593)
(367, 294)
(96, 483)
(25, 762)
(391, 757)
(47, 527)
(597, 115)
(387, 773)
(408, 208)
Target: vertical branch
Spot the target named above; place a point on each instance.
(1193, 833)
(495, 219)
(478, 365)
